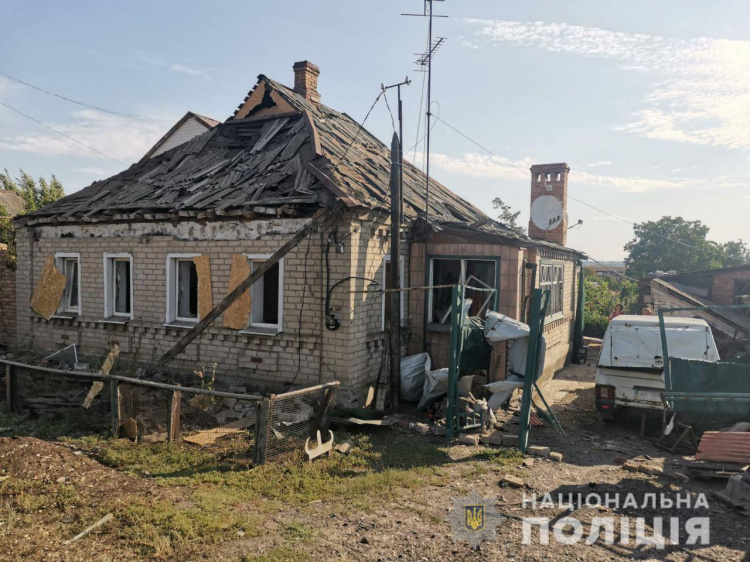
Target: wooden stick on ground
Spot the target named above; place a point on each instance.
(321, 219)
(106, 519)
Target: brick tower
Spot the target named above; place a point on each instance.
(551, 179)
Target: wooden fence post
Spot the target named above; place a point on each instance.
(114, 397)
(173, 416)
(11, 389)
(261, 432)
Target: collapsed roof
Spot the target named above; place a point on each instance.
(280, 154)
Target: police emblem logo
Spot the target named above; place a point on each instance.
(474, 519)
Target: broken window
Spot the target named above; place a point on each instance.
(182, 288)
(386, 284)
(118, 285)
(480, 277)
(70, 266)
(267, 295)
(551, 277)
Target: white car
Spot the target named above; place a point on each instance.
(630, 373)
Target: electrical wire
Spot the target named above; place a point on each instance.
(301, 309)
(118, 113)
(61, 133)
(361, 126)
(393, 121)
(589, 258)
(527, 174)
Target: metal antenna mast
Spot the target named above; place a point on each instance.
(406, 82)
(424, 61)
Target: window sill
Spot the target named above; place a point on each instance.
(554, 318)
(182, 324)
(64, 315)
(257, 331)
(122, 320)
(441, 328)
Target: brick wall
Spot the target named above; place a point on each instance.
(559, 332)
(7, 299)
(722, 290)
(263, 362)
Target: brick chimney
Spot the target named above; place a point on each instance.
(551, 179)
(306, 80)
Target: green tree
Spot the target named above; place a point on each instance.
(29, 192)
(602, 295)
(507, 216)
(7, 183)
(737, 252)
(672, 243)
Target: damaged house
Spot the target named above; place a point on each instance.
(710, 288)
(139, 258)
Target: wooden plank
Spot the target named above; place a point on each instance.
(205, 295)
(313, 130)
(173, 418)
(321, 219)
(49, 290)
(261, 432)
(210, 436)
(237, 314)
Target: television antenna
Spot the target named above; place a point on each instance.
(424, 61)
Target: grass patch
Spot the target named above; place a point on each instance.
(298, 531)
(504, 456)
(278, 554)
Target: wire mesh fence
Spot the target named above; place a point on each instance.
(245, 427)
(296, 416)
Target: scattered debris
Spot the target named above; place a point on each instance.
(528, 463)
(510, 440)
(345, 446)
(421, 428)
(209, 436)
(106, 519)
(492, 438)
(321, 447)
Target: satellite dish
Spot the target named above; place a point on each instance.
(547, 212)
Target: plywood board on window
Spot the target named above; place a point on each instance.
(237, 314)
(49, 290)
(205, 295)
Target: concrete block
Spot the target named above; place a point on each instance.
(538, 451)
(492, 438)
(512, 481)
(468, 439)
(557, 457)
(510, 440)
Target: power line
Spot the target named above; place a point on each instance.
(118, 113)
(62, 134)
(617, 272)
(527, 173)
(361, 126)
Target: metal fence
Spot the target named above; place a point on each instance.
(234, 426)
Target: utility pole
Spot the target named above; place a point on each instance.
(425, 62)
(395, 295)
(406, 82)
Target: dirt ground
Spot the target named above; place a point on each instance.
(387, 500)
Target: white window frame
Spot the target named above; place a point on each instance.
(60, 258)
(109, 285)
(402, 300)
(253, 327)
(551, 316)
(171, 315)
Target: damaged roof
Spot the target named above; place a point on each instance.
(279, 154)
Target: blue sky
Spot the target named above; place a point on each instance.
(649, 102)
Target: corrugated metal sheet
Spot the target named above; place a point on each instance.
(721, 446)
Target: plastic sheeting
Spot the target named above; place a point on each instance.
(413, 369)
(436, 386)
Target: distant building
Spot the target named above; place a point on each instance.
(606, 270)
(727, 286)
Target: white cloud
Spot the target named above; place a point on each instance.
(178, 67)
(121, 138)
(701, 87)
(597, 163)
(473, 164)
